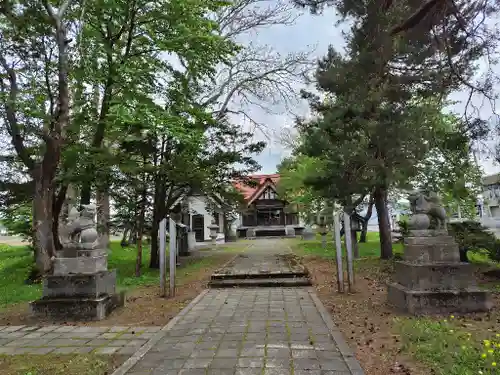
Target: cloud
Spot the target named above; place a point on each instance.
(308, 32)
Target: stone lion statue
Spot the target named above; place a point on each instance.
(429, 205)
(81, 231)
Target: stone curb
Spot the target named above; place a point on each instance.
(346, 352)
(137, 356)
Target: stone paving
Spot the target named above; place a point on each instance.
(262, 257)
(273, 331)
(72, 339)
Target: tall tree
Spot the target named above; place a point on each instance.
(35, 102)
(382, 86)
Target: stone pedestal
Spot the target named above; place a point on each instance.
(432, 280)
(289, 231)
(80, 288)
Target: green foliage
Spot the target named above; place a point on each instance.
(17, 219)
(472, 236)
(448, 349)
(450, 169)
(403, 226)
(294, 173)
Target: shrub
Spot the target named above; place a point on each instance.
(472, 236)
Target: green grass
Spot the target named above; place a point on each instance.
(89, 364)
(449, 349)
(371, 248)
(16, 261)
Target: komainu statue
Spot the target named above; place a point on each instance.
(81, 230)
(424, 208)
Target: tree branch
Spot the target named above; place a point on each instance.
(10, 114)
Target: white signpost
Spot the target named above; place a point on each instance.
(163, 268)
(338, 247)
(173, 256)
(348, 246)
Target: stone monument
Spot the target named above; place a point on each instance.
(431, 279)
(80, 287)
(308, 233)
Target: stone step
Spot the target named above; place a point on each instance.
(261, 275)
(258, 283)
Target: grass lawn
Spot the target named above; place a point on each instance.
(451, 346)
(58, 365)
(455, 345)
(15, 263)
(371, 248)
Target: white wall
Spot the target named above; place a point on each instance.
(198, 204)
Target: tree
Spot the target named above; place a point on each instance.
(257, 76)
(35, 102)
(450, 168)
(382, 85)
(292, 186)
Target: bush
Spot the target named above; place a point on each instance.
(472, 236)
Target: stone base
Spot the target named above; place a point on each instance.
(80, 286)
(76, 309)
(80, 265)
(438, 302)
(290, 231)
(434, 276)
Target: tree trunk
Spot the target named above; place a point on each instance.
(140, 230)
(364, 230)
(103, 214)
(354, 241)
(158, 208)
(154, 261)
(43, 221)
(384, 227)
(124, 242)
(58, 215)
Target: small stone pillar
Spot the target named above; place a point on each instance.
(323, 231)
(81, 286)
(431, 279)
(307, 233)
(213, 232)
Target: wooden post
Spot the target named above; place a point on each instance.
(348, 246)
(163, 269)
(338, 247)
(173, 256)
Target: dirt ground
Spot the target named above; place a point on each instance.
(367, 321)
(143, 307)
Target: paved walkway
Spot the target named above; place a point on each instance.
(266, 331)
(71, 339)
(271, 331)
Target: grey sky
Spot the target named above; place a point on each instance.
(319, 32)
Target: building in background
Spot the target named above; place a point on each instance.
(264, 212)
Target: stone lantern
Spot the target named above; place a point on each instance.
(322, 230)
(213, 232)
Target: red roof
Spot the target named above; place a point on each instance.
(249, 191)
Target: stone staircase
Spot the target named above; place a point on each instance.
(261, 271)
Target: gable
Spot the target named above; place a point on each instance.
(265, 191)
(250, 192)
(268, 193)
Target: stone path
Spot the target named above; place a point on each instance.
(72, 339)
(265, 331)
(264, 263)
(272, 331)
